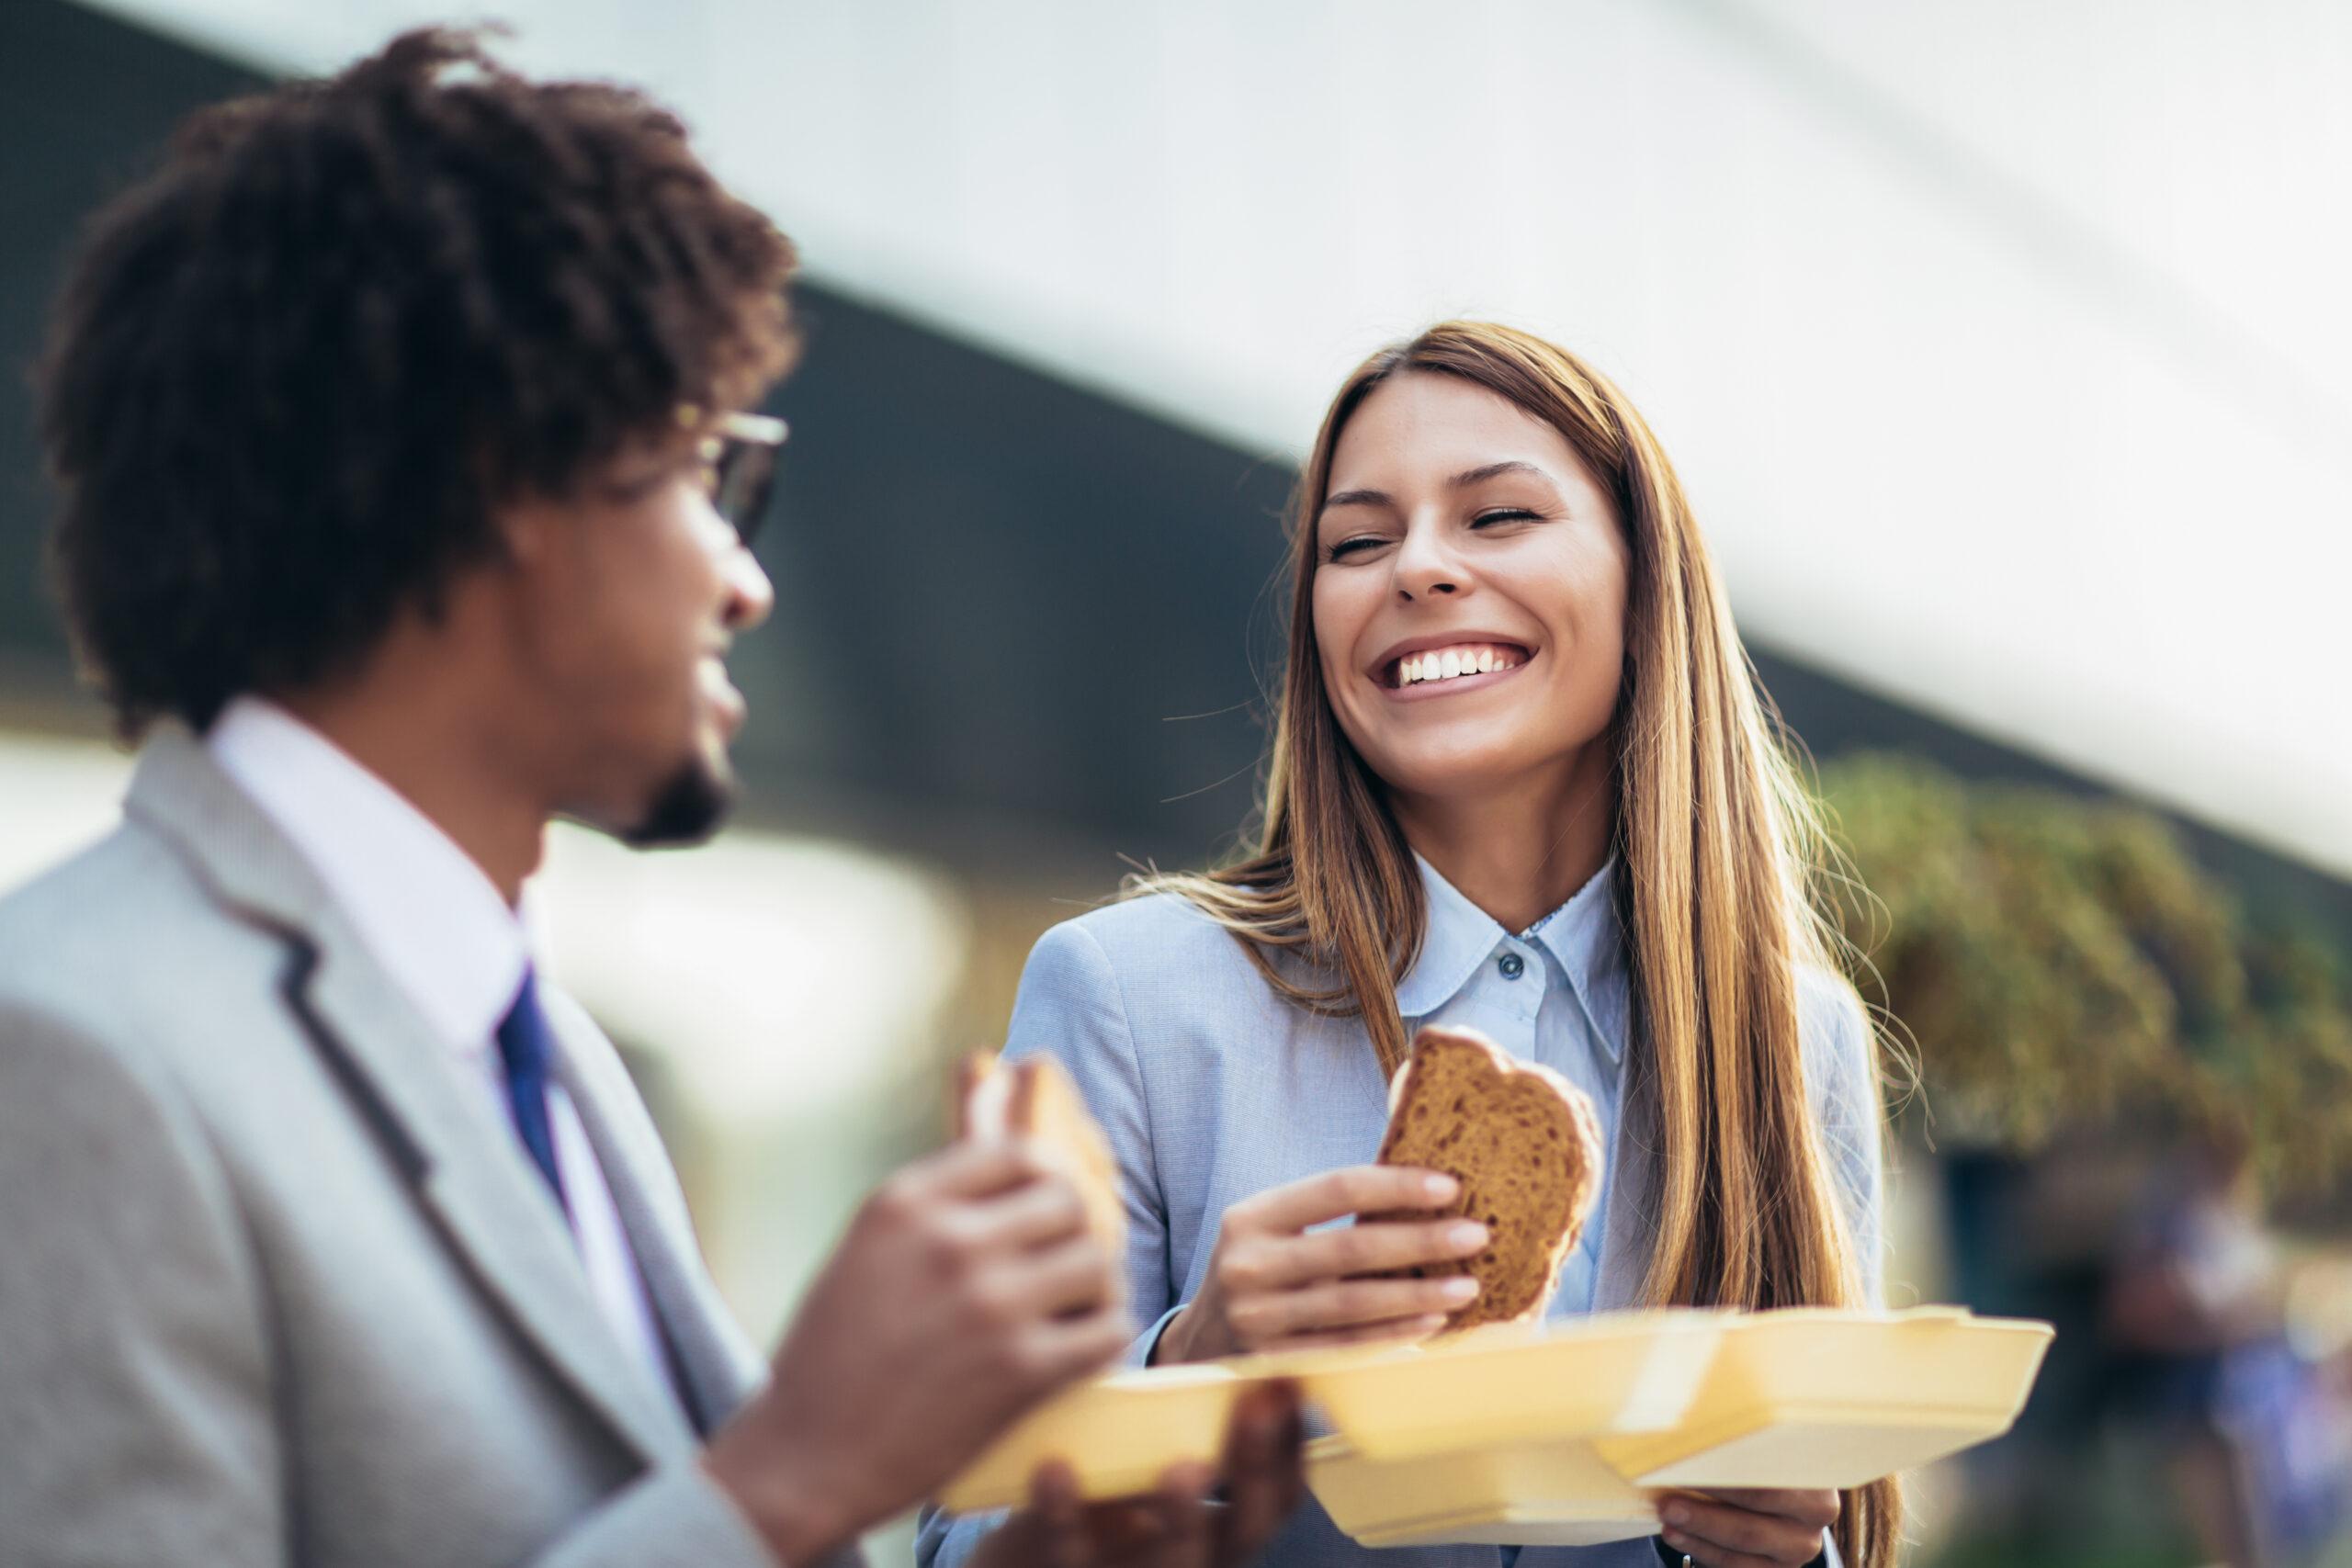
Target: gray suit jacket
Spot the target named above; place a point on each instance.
(276, 1285)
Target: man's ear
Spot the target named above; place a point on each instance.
(524, 526)
(522, 517)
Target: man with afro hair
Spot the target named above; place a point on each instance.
(403, 425)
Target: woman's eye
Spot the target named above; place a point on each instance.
(1347, 548)
(1502, 514)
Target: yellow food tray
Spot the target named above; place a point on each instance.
(1118, 1433)
(1616, 1372)
(1545, 1434)
(1558, 1493)
(1820, 1398)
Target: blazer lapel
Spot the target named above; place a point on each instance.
(466, 1170)
(715, 1367)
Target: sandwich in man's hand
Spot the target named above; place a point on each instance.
(1525, 1143)
(1035, 1099)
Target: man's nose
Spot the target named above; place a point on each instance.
(750, 595)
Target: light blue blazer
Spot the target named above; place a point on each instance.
(1212, 1088)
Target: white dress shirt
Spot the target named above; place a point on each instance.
(432, 918)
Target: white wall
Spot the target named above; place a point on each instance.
(2000, 340)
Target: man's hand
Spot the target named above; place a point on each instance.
(1177, 1527)
(1748, 1528)
(967, 1290)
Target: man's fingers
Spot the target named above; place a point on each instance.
(1293, 1491)
(1118, 1532)
(1374, 1248)
(1182, 1508)
(1349, 1303)
(1039, 1213)
(1074, 1277)
(1356, 1189)
(1074, 1348)
(970, 1168)
(1261, 1468)
(1057, 1520)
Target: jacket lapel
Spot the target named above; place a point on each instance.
(715, 1367)
(465, 1169)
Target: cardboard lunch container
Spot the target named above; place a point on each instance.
(1559, 1433)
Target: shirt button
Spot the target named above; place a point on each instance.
(1512, 964)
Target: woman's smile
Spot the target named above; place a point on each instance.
(1450, 669)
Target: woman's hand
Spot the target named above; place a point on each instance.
(1272, 1287)
(1748, 1528)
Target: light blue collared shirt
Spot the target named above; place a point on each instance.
(1212, 1087)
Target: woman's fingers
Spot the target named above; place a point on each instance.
(1376, 1248)
(1403, 1330)
(1347, 1303)
(1816, 1509)
(1717, 1534)
(1335, 1194)
(1707, 1555)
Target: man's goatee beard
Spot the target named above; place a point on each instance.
(689, 809)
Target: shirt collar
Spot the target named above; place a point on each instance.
(1582, 934)
(426, 910)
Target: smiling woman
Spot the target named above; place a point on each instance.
(1522, 780)
(1468, 614)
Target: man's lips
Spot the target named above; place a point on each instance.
(720, 693)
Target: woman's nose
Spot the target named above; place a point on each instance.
(1426, 564)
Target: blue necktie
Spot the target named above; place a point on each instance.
(525, 1044)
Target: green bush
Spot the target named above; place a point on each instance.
(2063, 963)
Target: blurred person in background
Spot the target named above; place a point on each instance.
(388, 417)
(1522, 780)
(2195, 1306)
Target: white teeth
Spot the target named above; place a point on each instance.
(1448, 663)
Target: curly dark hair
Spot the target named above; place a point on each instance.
(294, 369)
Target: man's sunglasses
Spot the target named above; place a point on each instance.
(740, 453)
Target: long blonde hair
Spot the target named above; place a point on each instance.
(1716, 835)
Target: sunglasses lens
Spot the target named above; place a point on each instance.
(746, 481)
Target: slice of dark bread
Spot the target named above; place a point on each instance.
(1525, 1144)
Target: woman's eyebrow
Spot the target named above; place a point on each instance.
(1468, 476)
(1359, 498)
(1462, 481)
